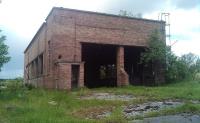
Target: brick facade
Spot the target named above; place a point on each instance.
(59, 41)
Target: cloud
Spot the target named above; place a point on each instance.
(20, 21)
(90, 5)
(185, 29)
(185, 4)
(185, 46)
(185, 21)
(24, 16)
(134, 6)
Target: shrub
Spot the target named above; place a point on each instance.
(12, 88)
(197, 77)
(29, 86)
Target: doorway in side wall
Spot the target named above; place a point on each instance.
(75, 76)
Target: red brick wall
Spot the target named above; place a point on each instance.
(122, 76)
(66, 29)
(81, 75)
(70, 28)
(64, 73)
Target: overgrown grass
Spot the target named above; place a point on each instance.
(21, 105)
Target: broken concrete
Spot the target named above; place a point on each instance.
(142, 109)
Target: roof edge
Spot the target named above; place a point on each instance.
(101, 13)
(84, 11)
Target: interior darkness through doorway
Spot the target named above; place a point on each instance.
(100, 65)
(132, 64)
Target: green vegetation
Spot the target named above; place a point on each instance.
(3, 51)
(156, 51)
(129, 14)
(180, 68)
(18, 104)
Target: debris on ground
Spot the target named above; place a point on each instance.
(94, 112)
(52, 102)
(142, 109)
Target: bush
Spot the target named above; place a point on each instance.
(12, 86)
(29, 86)
(197, 77)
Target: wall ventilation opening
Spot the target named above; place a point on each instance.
(59, 56)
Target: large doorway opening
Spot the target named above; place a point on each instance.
(133, 67)
(100, 65)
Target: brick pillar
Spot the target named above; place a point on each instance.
(81, 75)
(64, 80)
(122, 76)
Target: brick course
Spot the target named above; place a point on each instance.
(66, 29)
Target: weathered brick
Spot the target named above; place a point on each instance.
(60, 41)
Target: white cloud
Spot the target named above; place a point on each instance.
(189, 46)
(24, 16)
(90, 5)
(185, 29)
(185, 22)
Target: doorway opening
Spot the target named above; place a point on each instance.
(133, 67)
(100, 65)
(75, 76)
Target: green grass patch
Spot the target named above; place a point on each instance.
(20, 105)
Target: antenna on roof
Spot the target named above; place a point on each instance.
(165, 17)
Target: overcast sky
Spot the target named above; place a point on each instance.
(20, 20)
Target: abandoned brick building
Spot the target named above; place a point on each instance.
(76, 48)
